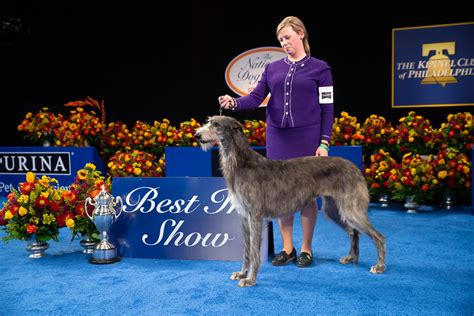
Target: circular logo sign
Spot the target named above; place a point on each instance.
(244, 71)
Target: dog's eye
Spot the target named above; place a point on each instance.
(215, 124)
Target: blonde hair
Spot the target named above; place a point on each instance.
(297, 26)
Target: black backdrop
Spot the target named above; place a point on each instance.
(152, 63)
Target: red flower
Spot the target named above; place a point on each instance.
(31, 228)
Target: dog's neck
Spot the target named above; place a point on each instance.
(234, 153)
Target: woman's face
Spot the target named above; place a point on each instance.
(290, 41)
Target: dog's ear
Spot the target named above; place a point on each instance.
(238, 126)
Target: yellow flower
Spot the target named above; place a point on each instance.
(8, 215)
(70, 223)
(137, 171)
(90, 166)
(442, 174)
(30, 177)
(22, 211)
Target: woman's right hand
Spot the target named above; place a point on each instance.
(227, 102)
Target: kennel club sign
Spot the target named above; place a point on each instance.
(178, 218)
(433, 66)
(61, 163)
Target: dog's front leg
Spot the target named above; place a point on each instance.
(255, 226)
(246, 251)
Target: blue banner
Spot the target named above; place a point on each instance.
(61, 163)
(178, 218)
(433, 66)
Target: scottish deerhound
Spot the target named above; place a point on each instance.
(263, 188)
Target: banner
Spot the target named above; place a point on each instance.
(433, 66)
(179, 218)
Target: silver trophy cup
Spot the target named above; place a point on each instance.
(103, 216)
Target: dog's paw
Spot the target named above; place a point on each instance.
(348, 259)
(238, 275)
(379, 268)
(247, 282)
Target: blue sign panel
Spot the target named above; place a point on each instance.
(61, 163)
(178, 218)
(433, 66)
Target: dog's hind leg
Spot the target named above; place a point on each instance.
(255, 226)
(246, 251)
(332, 211)
(353, 255)
(379, 241)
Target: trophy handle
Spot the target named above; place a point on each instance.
(88, 201)
(117, 200)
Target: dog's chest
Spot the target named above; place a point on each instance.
(237, 204)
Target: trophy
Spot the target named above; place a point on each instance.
(103, 216)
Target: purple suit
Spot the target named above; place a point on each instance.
(300, 111)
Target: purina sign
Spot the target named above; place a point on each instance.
(244, 71)
(61, 163)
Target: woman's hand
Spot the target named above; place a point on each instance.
(227, 102)
(321, 152)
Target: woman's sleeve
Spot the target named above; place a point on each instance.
(326, 101)
(256, 97)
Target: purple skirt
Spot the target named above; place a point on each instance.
(286, 143)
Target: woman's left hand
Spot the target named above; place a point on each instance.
(321, 152)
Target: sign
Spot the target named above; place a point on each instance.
(61, 163)
(178, 218)
(433, 66)
(244, 71)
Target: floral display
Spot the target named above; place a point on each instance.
(453, 171)
(87, 183)
(40, 127)
(136, 163)
(418, 180)
(457, 131)
(346, 131)
(186, 132)
(376, 130)
(383, 175)
(81, 128)
(116, 136)
(415, 134)
(33, 211)
(255, 132)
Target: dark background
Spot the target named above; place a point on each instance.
(150, 62)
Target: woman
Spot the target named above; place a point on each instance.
(299, 118)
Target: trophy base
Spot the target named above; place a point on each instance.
(102, 256)
(104, 261)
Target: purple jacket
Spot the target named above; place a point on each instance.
(301, 94)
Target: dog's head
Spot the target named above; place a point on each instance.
(218, 129)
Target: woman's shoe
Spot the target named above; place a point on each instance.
(283, 258)
(304, 259)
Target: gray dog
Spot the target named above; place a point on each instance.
(263, 188)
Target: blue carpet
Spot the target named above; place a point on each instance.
(430, 271)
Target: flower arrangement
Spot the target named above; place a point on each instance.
(116, 136)
(34, 210)
(457, 131)
(346, 131)
(255, 132)
(418, 181)
(87, 183)
(153, 138)
(186, 132)
(376, 130)
(40, 127)
(383, 174)
(453, 171)
(415, 134)
(81, 128)
(136, 163)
